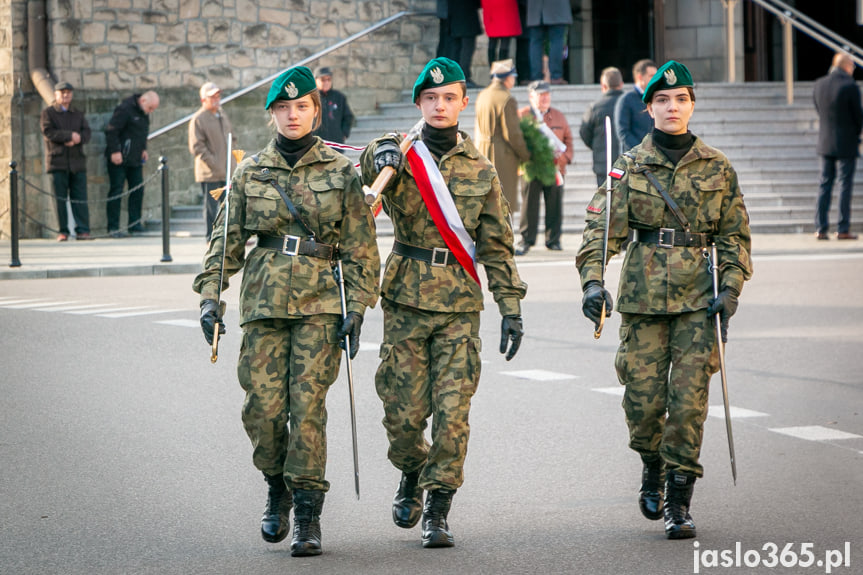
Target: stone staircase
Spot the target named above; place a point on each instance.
(770, 144)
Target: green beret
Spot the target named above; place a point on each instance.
(291, 84)
(670, 76)
(438, 72)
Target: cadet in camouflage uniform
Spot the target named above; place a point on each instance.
(430, 361)
(289, 304)
(668, 349)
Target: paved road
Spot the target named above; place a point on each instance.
(122, 449)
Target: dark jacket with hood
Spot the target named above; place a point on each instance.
(127, 131)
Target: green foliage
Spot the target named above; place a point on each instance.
(540, 166)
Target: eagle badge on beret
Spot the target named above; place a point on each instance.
(670, 77)
(437, 75)
(291, 90)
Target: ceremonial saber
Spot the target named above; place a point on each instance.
(215, 351)
(373, 192)
(341, 281)
(598, 332)
(714, 269)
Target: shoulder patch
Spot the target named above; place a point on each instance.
(616, 173)
(593, 209)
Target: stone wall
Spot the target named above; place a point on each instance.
(695, 34)
(110, 49)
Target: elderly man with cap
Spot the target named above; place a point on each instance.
(539, 94)
(432, 297)
(65, 131)
(304, 203)
(337, 119)
(497, 131)
(678, 196)
(208, 143)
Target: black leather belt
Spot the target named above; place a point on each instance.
(669, 237)
(437, 257)
(297, 246)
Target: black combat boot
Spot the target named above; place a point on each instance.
(678, 494)
(651, 497)
(307, 522)
(436, 532)
(408, 502)
(276, 521)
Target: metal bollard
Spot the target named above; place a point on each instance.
(166, 212)
(13, 213)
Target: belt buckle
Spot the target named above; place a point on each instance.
(439, 257)
(291, 245)
(660, 240)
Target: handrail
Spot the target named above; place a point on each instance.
(809, 26)
(312, 58)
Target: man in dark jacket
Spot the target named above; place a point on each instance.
(631, 120)
(337, 119)
(837, 100)
(459, 27)
(592, 129)
(126, 152)
(65, 131)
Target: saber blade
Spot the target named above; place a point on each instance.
(341, 281)
(598, 332)
(214, 356)
(715, 271)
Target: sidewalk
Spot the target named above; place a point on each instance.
(142, 255)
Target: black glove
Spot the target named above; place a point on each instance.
(388, 154)
(725, 304)
(209, 316)
(591, 302)
(510, 329)
(351, 326)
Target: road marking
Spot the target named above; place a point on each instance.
(815, 433)
(539, 375)
(369, 346)
(137, 313)
(736, 412)
(180, 322)
(75, 307)
(107, 308)
(616, 390)
(16, 301)
(41, 304)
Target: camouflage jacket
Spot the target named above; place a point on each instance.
(658, 280)
(325, 188)
(474, 185)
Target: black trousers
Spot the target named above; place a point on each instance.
(529, 223)
(457, 48)
(211, 206)
(117, 176)
(72, 186)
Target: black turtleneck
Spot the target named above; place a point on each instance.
(439, 141)
(293, 150)
(673, 146)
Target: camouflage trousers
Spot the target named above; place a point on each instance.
(286, 367)
(430, 366)
(665, 362)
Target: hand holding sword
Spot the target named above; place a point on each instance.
(386, 172)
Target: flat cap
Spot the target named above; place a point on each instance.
(670, 76)
(60, 86)
(539, 87)
(209, 89)
(293, 83)
(503, 68)
(323, 71)
(438, 72)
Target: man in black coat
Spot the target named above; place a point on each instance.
(126, 152)
(459, 27)
(65, 131)
(837, 100)
(337, 119)
(592, 129)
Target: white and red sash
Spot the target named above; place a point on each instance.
(441, 206)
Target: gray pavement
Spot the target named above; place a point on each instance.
(143, 255)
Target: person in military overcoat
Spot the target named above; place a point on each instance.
(668, 342)
(432, 297)
(289, 302)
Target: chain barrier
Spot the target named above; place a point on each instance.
(139, 221)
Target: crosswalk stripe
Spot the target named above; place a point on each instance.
(41, 304)
(94, 311)
(16, 301)
(815, 433)
(736, 412)
(539, 375)
(137, 313)
(73, 307)
(180, 322)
